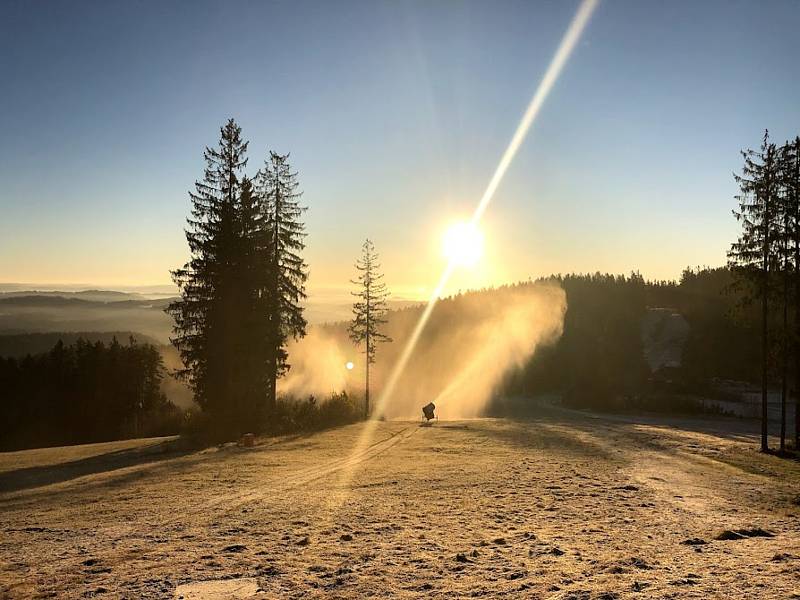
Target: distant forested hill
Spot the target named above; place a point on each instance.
(91, 295)
(104, 310)
(69, 313)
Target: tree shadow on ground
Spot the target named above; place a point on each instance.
(724, 427)
(170, 456)
(543, 433)
(42, 475)
(545, 424)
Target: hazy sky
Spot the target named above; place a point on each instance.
(395, 114)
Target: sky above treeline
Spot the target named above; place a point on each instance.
(395, 114)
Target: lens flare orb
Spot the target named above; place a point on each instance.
(462, 244)
(349, 366)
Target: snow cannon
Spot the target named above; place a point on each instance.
(427, 411)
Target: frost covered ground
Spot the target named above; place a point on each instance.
(560, 506)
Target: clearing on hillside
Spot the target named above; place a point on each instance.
(566, 506)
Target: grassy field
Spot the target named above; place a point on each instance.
(561, 506)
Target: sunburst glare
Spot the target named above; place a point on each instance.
(462, 244)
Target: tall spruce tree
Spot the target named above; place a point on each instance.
(785, 266)
(789, 209)
(256, 255)
(753, 255)
(790, 171)
(208, 314)
(369, 310)
(284, 237)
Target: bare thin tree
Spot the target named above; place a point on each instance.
(369, 309)
(754, 255)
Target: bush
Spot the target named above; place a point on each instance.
(198, 428)
(293, 415)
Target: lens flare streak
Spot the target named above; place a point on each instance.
(557, 63)
(565, 48)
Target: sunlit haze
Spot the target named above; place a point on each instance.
(396, 114)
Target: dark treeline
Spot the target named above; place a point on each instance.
(22, 344)
(599, 361)
(84, 392)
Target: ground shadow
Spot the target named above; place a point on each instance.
(38, 476)
(721, 426)
(156, 458)
(545, 433)
(607, 434)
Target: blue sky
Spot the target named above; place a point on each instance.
(395, 114)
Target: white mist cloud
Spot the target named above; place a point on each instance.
(471, 342)
(317, 365)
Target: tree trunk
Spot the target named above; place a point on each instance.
(764, 329)
(764, 348)
(796, 399)
(797, 348)
(275, 317)
(785, 353)
(796, 203)
(272, 397)
(366, 391)
(369, 335)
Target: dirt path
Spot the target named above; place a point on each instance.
(564, 506)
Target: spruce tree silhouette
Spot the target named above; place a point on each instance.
(284, 234)
(753, 256)
(369, 310)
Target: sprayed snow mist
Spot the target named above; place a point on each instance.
(318, 365)
(471, 343)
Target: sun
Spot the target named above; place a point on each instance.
(462, 244)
